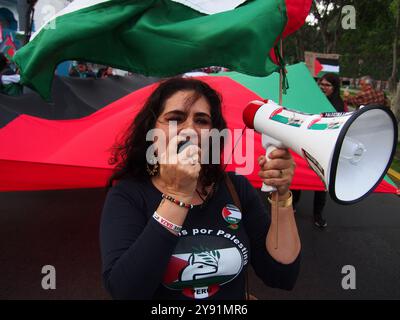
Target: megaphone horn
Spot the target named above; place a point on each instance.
(351, 152)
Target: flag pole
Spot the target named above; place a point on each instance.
(280, 73)
(29, 19)
(280, 103)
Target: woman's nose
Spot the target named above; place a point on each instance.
(188, 132)
(188, 124)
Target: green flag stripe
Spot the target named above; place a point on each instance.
(73, 7)
(155, 37)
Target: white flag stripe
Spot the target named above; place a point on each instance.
(235, 212)
(72, 7)
(182, 256)
(329, 68)
(211, 6)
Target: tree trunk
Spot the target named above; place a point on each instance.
(396, 104)
(329, 37)
(299, 46)
(338, 29)
(322, 24)
(394, 76)
(324, 39)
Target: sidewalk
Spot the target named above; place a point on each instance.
(394, 171)
(395, 176)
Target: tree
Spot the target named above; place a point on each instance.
(320, 33)
(366, 50)
(394, 77)
(328, 16)
(396, 104)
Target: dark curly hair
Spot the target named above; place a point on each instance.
(130, 154)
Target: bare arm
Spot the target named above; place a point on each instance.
(282, 241)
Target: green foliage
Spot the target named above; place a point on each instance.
(394, 6)
(366, 50)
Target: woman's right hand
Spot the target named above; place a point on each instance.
(179, 172)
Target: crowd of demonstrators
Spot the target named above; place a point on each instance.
(214, 69)
(368, 95)
(330, 86)
(9, 78)
(207, 70)
(81, 70)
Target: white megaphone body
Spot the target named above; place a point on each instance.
(351, 152)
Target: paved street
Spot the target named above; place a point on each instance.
(61, 228)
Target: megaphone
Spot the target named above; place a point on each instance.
(351, 152)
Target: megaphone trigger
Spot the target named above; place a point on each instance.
(270, 144)
(265, 187)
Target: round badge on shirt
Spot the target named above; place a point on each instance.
(232, 215)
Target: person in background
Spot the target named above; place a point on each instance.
(105, 72)
(368, 95)
(81, 71)
(9, 78)
(330, 86)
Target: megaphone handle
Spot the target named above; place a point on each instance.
(268, 150)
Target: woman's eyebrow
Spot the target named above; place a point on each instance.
(180, 112)
(202, 114)
(177, 112)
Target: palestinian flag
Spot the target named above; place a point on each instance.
(201, 274)
(161, 37)
(324, 65)
(68, 145)
(232, 215)
(8, 48)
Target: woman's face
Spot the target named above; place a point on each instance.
(326, 87)
(190, 117)
(109, 71)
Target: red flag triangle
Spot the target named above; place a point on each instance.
(317, 67)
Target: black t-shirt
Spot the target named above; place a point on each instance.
(143, 260)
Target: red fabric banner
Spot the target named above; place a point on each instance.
(40, 154)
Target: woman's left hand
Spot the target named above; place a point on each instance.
(277, 172)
